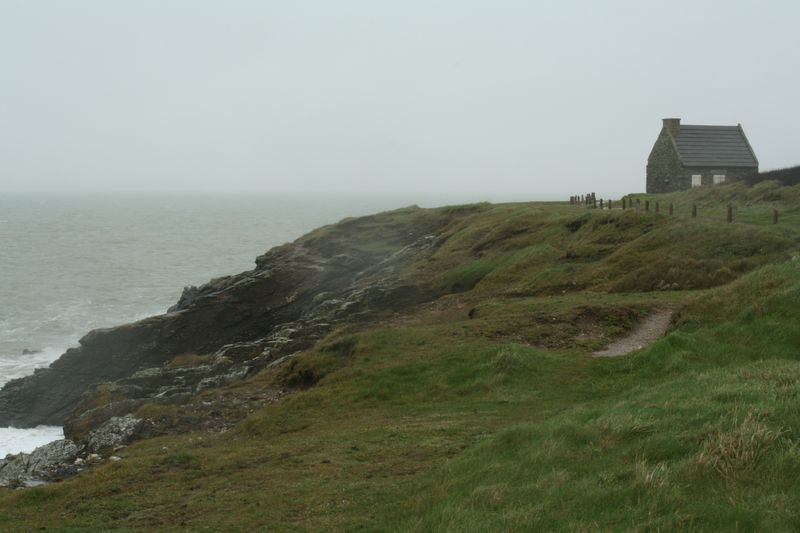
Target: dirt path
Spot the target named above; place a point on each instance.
(648, 330)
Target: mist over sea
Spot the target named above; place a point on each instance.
(75, 262)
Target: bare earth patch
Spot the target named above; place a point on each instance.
(647, 331)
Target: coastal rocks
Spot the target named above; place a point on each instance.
(240, 352)
(188, 296)
(51, 462)
(230, 329)
(241, 314)
(93, 459)
(172, 388)
(79, 426)
(115, 432)
(224, 379)
(64, 458)
(49, 395)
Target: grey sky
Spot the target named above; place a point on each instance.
(496, 98)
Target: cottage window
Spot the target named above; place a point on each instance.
(697, 180)
(719, 178)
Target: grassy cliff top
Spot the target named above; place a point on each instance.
(483, 410)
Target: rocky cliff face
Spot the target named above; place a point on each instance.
(233, 326)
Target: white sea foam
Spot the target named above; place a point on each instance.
(15, 440)
(17, 366)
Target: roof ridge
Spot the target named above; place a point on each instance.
(708, 126)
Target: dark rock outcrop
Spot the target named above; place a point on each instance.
(296, 294)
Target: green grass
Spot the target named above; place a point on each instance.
(700, 430)
(483, 412)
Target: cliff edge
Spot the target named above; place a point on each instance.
(297, 292)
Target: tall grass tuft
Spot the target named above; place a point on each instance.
(736, 451)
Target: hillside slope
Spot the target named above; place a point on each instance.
(460, 394)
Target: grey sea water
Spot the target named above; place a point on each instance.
(72, 263)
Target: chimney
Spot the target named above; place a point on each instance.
(672, 125)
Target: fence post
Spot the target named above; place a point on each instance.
(623, 203)
(774, 216)
(730, 213)
(647, 206)
(601, 203)
(609, 205)
(694, 210)
(670, 209)
(656, 206)
(638, 203)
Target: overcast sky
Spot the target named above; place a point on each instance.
(532, 98)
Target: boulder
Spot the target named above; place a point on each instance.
(117, 431)
(51, 462)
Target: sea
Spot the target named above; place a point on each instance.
(70, 263)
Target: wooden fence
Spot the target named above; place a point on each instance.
(590, 200)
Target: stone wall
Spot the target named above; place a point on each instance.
(664, 171)
(707, 174)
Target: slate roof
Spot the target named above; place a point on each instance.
(714, 146)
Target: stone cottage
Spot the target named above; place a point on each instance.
(687, 156)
